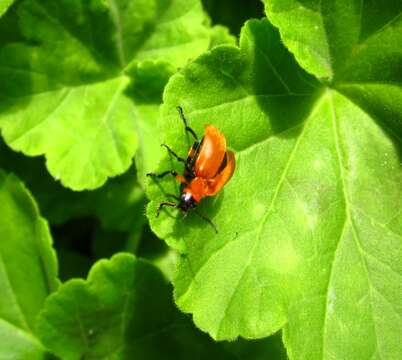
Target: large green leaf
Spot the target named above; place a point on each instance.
(28, 270)
(355, 40)
(150, 79)
(123, 310)
(119, 204)
(355, 44)
(309, 225)
(66, 97)
(221, 36)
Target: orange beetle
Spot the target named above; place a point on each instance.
(207, 168)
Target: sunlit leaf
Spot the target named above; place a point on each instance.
(310, 224)
(66, 96)
(353, 43)
(221, 36)
(119, 204)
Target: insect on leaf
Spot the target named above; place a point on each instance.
(310, 224)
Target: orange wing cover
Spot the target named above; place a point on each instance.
(214, 166)
(212, 153)
(216, 184)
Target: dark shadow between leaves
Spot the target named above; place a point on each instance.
(16, 80)
(285, 92)
(288, 113)
(49, 356)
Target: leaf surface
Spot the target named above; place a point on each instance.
(353, 44)
(123, 310)
(28, 269)
(66, 97)
(119, 204)
(309, 226)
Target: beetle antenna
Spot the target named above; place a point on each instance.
(188, 128)
(208, 220)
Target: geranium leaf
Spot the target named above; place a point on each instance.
(309, 225)
(221, 36)
(66, 97)
(150, 79)
(119, 204)
(353, 44)
(123, 310)
(28, 270)
(339, 39)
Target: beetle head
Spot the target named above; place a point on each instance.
(187, 202)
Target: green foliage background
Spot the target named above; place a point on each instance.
(307, 263)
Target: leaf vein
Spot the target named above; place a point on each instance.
(271, 66)
(266, 216)
(349, 217)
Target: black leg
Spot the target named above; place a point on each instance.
(171, 152)
(188, 128)
(162, 204)
(178, 158)
(168, 172)
(209, 221)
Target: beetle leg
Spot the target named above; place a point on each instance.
(168, 172)
(188, 128)
(178, 158)
(178, 177)
(208, 220)
(165, 203)
(171, 152)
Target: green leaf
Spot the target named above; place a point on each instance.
(119, 204)
(28, 269)
(218, 87)
(221, 36)
(309, 225)
(4, 5)
(123, 310)
(150, 79)
(66, 98)
(352, 43)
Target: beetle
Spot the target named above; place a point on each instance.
(207, 168)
